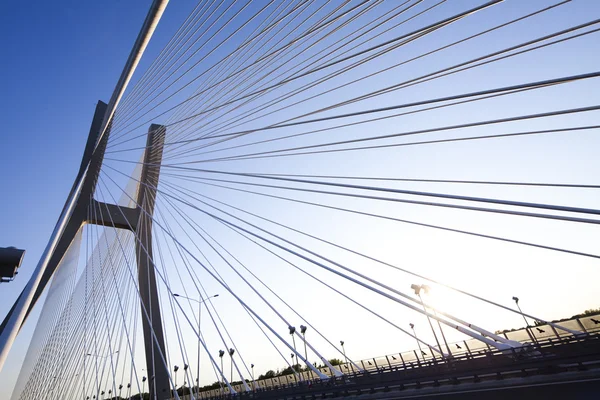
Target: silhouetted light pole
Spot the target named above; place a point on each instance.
(427, 289)
(200, 302)
(294, 368)
(412, 326)
(221, 354)
(253, 381)
(303, 332)
(231, 351)
(175, 369)
(417, 289)
(344, 351)
(516, 299)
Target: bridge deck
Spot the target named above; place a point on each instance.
(531, 368)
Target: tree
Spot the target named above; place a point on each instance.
(269, 374)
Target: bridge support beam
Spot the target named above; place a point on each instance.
(153, 331)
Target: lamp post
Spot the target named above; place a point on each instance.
(417, 289)
(294, 368)
(303, 332)
(175, 369)
(253, 381)
(292, 331)
(344, 351)
(303, 329)
(221, 354)
(412, 326)
(185, 375)
(516, 300)
(427, 289)
(143, 385)
(200, 302)
(231, 351)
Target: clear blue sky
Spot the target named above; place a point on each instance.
(60, 58)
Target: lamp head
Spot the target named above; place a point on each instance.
(416, 288)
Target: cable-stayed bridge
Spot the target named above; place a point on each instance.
(294, 187)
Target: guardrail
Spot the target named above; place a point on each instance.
(540, 336)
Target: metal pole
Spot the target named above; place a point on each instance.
(430, 324)
(516, 299)
(222, 389)
(344, 351)
(198, 366)
(412, 326)
(305, 352)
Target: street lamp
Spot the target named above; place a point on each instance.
(221, 354)
(417, 289)
(292, 331)
(344, 351)
(200, 302)
(253, 381)
(303, 329)
(294, 368)
(231, 351)
(412, 326)
(143, 384)
(175, 369)
(516, 300)
(303, 332)
(427, 289)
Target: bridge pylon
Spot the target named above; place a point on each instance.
(138, 220)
